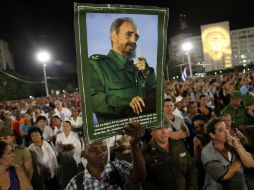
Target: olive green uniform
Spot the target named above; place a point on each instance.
(238, 115)
(21, 155)
(174, 169)
(114, 82)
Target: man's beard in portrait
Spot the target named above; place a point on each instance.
(130, 50)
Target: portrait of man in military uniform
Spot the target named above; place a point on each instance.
(122, 84)
(121, 50)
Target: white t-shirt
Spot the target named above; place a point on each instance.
(72, 138)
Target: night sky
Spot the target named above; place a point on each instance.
(30, 25)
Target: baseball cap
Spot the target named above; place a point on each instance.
(236, 94)
(68, 121)
(248, 100)
(179, 99)
(56, 115)
(6, 131)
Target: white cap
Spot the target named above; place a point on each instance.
(56, 115)
(167, 97)
(68, 121)
(179, 99)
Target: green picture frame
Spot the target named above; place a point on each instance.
(154, 17)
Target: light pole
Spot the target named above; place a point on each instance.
(187, 46)
(43, 57)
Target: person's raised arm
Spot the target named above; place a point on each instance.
(136, 132)
(246, 157)
(24, 181)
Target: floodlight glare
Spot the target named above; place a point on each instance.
(43, 56)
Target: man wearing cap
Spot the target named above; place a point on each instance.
(238, 114)
(168, 163)
(180, 105)
(22, 157)
(247, 130)
(236, 110)
(248, 102)
(56, 125)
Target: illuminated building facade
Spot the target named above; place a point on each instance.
(225, 48)
(216, 46)
(242, 42)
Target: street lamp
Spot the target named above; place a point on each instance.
(43, 57)
(187, 46)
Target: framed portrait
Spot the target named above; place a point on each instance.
(121, 50)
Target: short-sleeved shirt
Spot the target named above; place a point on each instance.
(25, 128)
(178, 123)
(216, 167)
(107, 180)
(22, 155)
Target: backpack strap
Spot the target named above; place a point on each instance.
(80, 180)
(117, 176)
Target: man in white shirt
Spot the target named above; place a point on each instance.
(180, 105)
(64, 113)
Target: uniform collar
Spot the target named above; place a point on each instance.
(119, 60)
(234, 108)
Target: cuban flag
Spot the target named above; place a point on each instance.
(185, 73)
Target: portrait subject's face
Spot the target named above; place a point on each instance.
(126, 40)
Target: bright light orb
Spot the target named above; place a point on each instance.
(43, 56)
(187, 46)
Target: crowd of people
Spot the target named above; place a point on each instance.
(205, 142)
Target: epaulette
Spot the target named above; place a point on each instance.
(97, 56)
